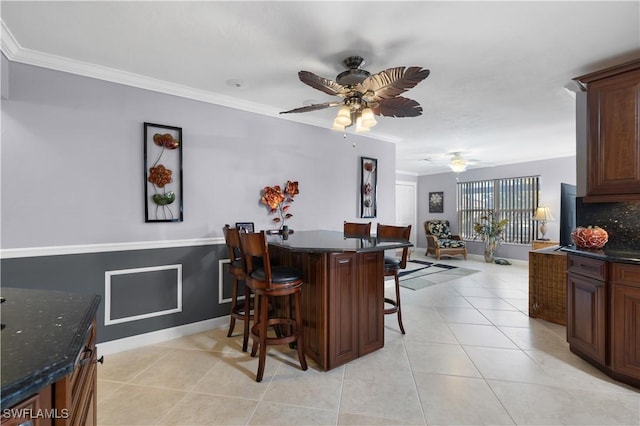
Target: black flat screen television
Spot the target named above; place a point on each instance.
(567, 213)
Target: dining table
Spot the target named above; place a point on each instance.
(343, 290)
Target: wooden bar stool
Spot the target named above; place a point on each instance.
(236, 270)
(353, 229)
(268, 283)
(393, 265)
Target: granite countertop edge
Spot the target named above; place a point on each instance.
(610, 255)
(31, 383)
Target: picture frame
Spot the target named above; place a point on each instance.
(368, 187)
(247, 227)
(436, 202)
(162, 173)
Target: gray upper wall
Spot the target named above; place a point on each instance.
(72, 164)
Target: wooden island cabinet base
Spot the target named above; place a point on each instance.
(343, 303)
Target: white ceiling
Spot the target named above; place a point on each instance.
(496, 91)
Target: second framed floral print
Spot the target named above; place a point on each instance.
(368, 187)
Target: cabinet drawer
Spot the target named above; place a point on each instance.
(588, 267)
(625, 274)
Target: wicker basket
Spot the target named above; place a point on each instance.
(548, 285)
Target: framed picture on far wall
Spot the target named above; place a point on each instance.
(436, 202)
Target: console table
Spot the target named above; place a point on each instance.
(343, 292)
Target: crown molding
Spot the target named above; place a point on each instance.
(16, 53)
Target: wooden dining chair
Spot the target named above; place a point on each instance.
(269, 283)
(353, 229)
(241, 311)
(393, 265)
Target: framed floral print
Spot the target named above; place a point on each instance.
(368, 187)
(162, 173)
(436, 202)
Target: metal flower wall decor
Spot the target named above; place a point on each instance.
(279, 200)
(368, 178)
(163, 173)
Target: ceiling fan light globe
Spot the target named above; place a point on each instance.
(458, 165)
(368, 119)
(344, 116)
(337, 127)
(359, 125)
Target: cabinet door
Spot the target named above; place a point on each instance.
(371, 301)
(625, 341)
(586, 321)
(613, 152)
(343, 309)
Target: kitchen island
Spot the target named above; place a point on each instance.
(48, 357)
(343, 291)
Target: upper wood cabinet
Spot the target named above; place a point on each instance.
(613, 137)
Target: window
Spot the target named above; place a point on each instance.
(514, 199)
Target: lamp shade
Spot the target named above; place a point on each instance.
(368, 120)
(344, 116)
(543, 214)
(359, 126)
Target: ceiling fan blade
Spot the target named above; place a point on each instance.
(391, 82)
(398, 107)
(314, 107)
(325, 85)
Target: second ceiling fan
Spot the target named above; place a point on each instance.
(365, 95)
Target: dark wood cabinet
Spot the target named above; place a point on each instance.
(76, 392)
(370, 299)
(33, 409)
(586, 299)
(613, 136)
(625, 324)
(343, 308)
(603, 321)
(342, 303)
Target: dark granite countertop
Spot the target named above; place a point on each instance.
(333, 241)
(608, 254)
(42, 334)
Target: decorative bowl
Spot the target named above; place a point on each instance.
(591, 237)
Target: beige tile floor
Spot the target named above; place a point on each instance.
(471, 355)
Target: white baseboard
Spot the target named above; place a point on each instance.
(159, 336)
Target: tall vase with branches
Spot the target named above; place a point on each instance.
(489, 229)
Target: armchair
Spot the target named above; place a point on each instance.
(440, 241)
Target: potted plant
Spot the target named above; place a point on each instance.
(489, 229)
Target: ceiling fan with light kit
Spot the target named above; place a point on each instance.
(455, 161)
(365, 95)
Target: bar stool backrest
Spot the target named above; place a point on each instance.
(396, 233)
(353, 229)
(232, 240)
(254, 245)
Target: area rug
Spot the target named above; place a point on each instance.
(420, 274)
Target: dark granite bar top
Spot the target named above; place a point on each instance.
(607, 254)
(333, 241)
(42, 334)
